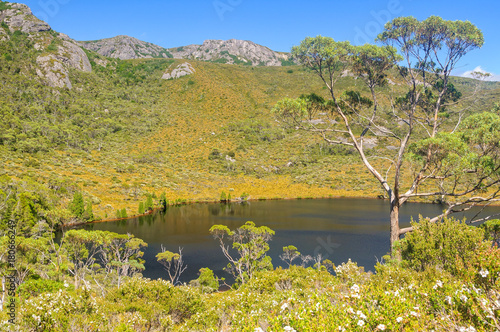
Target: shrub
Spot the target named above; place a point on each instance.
(207, 281)
(446, 245)
(215, 154)
(492, 231)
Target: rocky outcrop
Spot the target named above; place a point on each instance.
(125, 47)
(20, 17)
(181, 70)
(54, 68)
(59, 52)
(231, 51)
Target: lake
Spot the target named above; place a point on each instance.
(339, 229)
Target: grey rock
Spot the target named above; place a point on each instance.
(53, 71)
(3, 35)
(180, 71)
(54, 68)
(20, 17)
(125, 47)
(370, 143)
(231, 51)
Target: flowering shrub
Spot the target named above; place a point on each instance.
(427, 292)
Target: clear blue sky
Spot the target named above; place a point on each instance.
(278, 25)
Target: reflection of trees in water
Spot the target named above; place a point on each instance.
(225, 209)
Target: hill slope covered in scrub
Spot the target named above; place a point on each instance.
(117, 131)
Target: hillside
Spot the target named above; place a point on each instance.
(117, 131)
(89, 134)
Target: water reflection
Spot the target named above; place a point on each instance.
(338, 229)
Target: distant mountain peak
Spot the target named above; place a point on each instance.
(126, 47)
(232, 51)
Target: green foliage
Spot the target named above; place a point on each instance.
(223, 197)
(148, 205)
(214, 154)
(77, 206)
(458, 36)
(251, 245)
(290, 253)
(207, 281)
(88, 215)
(446, 245)
(492, 231)
(141, 208)
(323, 54)
(4, 5)
(293, 109)
(123, 213)
(35, 287)
(285, 63)
(173, 264)
(372, 63)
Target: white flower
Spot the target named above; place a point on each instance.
(399, 319)
(438, 284)
(361, 322)
(258, 329)
(350, 310)
(448, 299)
(289, 329)
(463, 298)
(413, 313)
(484, 273)
(284, 306)
(360, 314)
(355, 288)
(381, 327)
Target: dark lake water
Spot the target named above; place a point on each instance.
(339, 229)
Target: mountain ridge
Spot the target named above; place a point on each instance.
(232, 51)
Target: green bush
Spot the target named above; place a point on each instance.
(492, 231)
(207, 281)
(446, 245)
(35, 287)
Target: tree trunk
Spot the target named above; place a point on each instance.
(394, 224)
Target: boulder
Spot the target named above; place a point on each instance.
(180, 71)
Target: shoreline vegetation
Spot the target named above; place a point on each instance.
(239, 201)
(113, 140)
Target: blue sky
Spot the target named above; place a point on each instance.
(278, 25)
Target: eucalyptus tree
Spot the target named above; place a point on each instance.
(251, 244)
(173, 264)
(444, 156)
(121, 255)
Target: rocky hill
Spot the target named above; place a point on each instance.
(231, 51)
(125, 47)
(56, 53)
